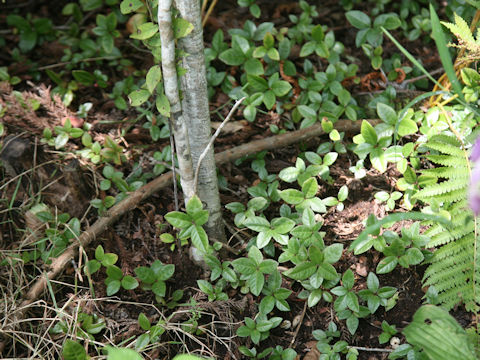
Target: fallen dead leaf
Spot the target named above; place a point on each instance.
(313, 353)
(361, 267)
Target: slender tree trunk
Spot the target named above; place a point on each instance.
(170, 80)
(196, 112)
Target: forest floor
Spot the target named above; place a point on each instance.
(135, 236)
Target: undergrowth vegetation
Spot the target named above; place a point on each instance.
(242, 296)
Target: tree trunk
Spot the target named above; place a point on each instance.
(170, 80)
(196, 112)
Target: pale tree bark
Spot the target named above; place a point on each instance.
(196, 112)
(170, 80)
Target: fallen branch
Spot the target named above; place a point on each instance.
(143, 193)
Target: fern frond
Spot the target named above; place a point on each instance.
(448, 186)
(446, 160)
(444, 172)
(445, 148)
(446, 139)
(453, 269)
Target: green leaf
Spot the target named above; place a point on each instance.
(244, 266)
(393, 218)
(144, 322)
(358, 19)
(257, 83)
(368, 132)
(83, 77)
(178, 219)
(138, 97)
(72, 350)
(414, 256)
(387, 114)
(145, 274)
(92, 266)
(205, 286)
(327, 271)
(114, 272)
(372, 282)
(273, 54)
(269, 99)
(307, 112)
(181, 27)
(113, 287)
(142, 341)
(352, 324)
(268, 266)
(145, 31)
(255, 282)
(352, 301)
(333, 253)
(128, 6)
(343, 193)
(302, 271)
(282, 225)
(439, 335)
(389, 21)
(61, 140)
(129, 282)
(159, 288)
(257, 223)
(163, 105)
(292, 196)
(310, 188)
(378, 160)
(264, 238)
(348, 279)
(194, 205)
(314, 297)
(387, 265)
(308, 48)
(254, 67)
(267, 304)
(281, 87)
(289, 174)
(199, 238)
(153, 77)
(232, 57)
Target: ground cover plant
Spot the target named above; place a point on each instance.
(335, 219)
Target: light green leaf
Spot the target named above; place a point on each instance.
(368, 132)
(153, 77)
(163, 105)
(128, 6)
(138, 97)
(122, 354)
(145, 31)
(181, 27)
(292, 196)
